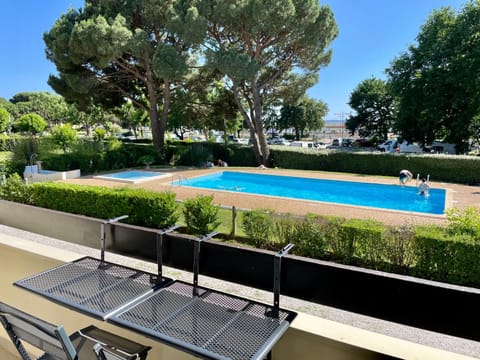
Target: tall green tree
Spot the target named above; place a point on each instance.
(4, 119)
(256, 45)
(51, 107)
(32, 124)
(307, 113)
(374, 108)
(436, 80)
(111, 51)
(64, 136)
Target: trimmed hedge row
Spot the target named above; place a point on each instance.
(429, 252)
(145, 208)
(449, 168)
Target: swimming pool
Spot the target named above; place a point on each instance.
(132, 176)
(392, 197)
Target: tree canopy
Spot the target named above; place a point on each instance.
(4, 119)
(145, 51)
(307, 113)
(112, 51)
(31, 123)
(436, 81)
(257, 44)
(374, 109)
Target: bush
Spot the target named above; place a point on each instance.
(447, 258)
(284, 230)
(399, 248)
(144, 208)
(366, 238)
(310, 237)
(201, 215)
(450, 168)
(14, 189)
(258, 226)
(464, 222)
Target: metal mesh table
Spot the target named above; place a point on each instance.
(211, 325)
(95, 287)
(201, 321)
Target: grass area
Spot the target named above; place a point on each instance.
(225, 217)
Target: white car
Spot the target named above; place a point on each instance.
(387, 145)
(406, 147)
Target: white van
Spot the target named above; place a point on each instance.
(303, 144)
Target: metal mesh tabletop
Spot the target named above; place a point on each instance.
(211, 325)
(90, 285)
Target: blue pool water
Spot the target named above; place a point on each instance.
(393, 197)
(132, 176)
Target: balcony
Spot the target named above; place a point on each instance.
(332, 333)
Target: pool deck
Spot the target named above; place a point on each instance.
(459, 196)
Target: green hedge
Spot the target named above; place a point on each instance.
(448, 258)
(449, 168)
(144, 208)
(430, 252)
(91, 157)
(197, 153)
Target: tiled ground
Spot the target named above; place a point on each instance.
(458, 196)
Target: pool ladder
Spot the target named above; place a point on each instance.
(180, 180)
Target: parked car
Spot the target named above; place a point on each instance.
(440, 147)
(320, 145)
(362, 143)
(278, 141)
(387, 145)
(336, 142)
(406, 147)
(346, 142)
(303, 144)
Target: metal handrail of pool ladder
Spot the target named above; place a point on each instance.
(180, 179)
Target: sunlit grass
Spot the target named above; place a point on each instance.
(225, 217)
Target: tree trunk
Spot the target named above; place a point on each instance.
(166, 108)
(257, 114)
(155, 122)
(254, 122)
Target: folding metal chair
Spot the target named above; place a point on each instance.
(89, 343)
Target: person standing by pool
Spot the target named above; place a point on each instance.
(405, 176)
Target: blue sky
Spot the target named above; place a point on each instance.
(371, 34)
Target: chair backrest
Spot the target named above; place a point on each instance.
(51, 339)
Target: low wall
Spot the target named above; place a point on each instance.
(51, 176)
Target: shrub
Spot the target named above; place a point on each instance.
(448, 258)
(145, 208)
(14, 189)
(464, 222)
(310, 236)
(284, 230)
(399, 248)
(450, 168)
(30, 123)
(258, 225)
(201, 215)
(364, 240)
